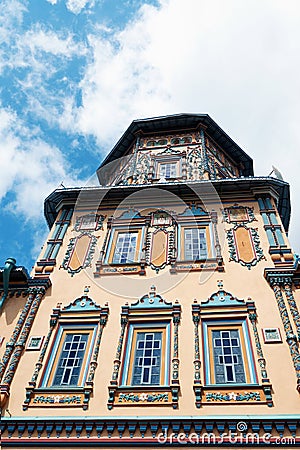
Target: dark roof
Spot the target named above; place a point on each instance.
(180, 122)
(18, 274)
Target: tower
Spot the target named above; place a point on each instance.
(164, 306)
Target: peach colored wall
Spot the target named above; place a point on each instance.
(238, 280)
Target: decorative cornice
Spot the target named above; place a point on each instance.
(91, 431)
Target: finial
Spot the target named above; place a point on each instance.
(152, 290)
(220, 284)
(86, 289)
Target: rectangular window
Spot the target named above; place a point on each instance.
(228, 359)
(228, 353)
(125, 249)
(70, 356)
(147, 359)
(168, 170)
(125, 245)
(195, 244)
(70, 360)
(54, 243)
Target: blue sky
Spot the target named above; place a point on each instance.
(75, 73)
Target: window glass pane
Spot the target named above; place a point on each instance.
(168, 170)
(125, 249)
(227, 356)
(147, 360)
(70, 360)
(194, 244)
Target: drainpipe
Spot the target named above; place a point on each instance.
(9, 265)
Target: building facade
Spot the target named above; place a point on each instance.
(164, 306)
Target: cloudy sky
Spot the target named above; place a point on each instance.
(75, 73)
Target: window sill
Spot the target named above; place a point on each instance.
(234, 394)
(143, 396)
(116, 269)
(57, 397)
(200, 265)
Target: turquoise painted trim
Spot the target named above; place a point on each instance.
(253, 375)
(109, 245)
(59, 232)
(55, 251)
(206, 354)
(82, 304)
(56, 230)
(53, 352)
(10, 263)
(261, 203)
(265, 218)
(273, 219)
(279, 236)
(154, 418)
(268, 203)
(270, 237)
(127, 355)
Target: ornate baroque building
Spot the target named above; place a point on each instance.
(163, 308)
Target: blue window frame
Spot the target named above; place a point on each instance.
(70, 356)
(147, 355)
(228, 356)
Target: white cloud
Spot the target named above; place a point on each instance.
(30, 168)
(237, 61)
(76, 6)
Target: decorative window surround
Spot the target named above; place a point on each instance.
(124, 389)
(194, 217)
(224, 312)
(82, 316)
(169, 165)
(129, 222)
(159, 241)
